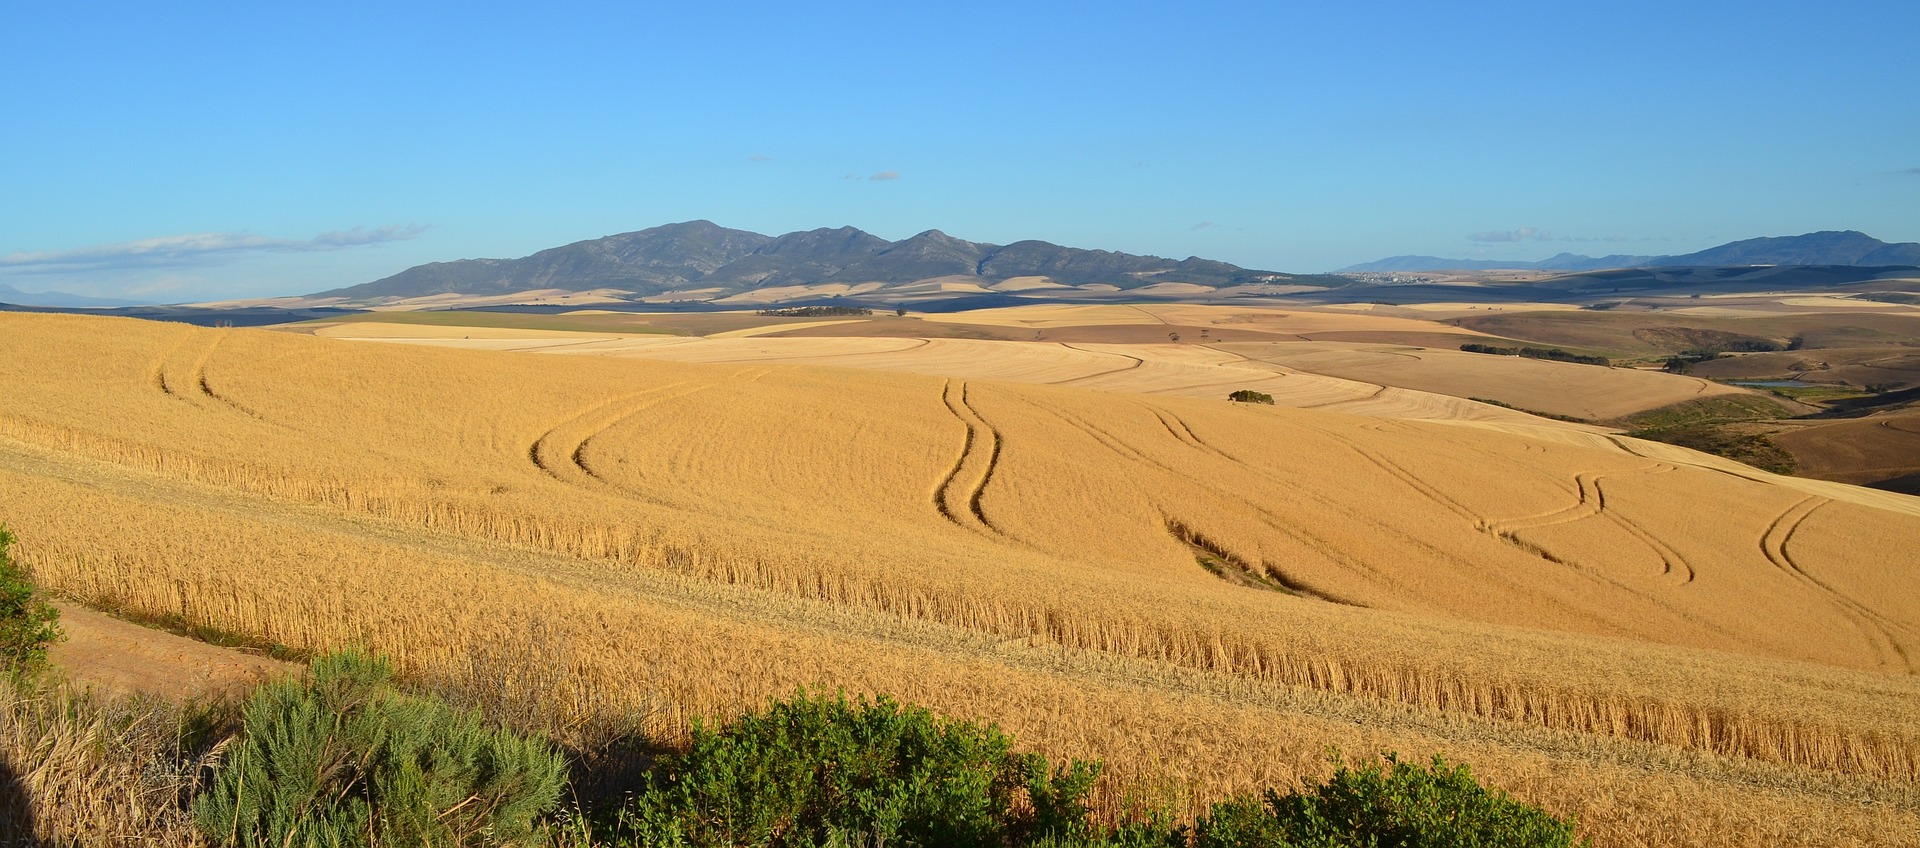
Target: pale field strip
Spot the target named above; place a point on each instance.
(1526, 576)
(747, 332)
(651, 641)
(1601, 393)
(1180, 370)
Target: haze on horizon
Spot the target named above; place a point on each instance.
(231, 151)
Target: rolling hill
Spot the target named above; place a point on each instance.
(1204, 594)
(711, 261)
(1822, 248)
(15, 297)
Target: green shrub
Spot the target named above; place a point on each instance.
(27, 623)
(820, 771)
(1250, 396)
(1404, 805)
(344, 758)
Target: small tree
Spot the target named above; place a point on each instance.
(1251, 396)
(1398, 804)
(27, 623)
(823, 771)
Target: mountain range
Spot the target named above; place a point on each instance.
(708, 261)
(9, 294)
(1831, 247)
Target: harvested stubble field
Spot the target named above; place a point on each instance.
(1546, 603)
(1198, 370)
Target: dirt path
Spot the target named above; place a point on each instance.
(116, 656)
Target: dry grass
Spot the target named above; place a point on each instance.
(83, 771)
(998, 551)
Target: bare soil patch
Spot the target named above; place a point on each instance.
(125, 658)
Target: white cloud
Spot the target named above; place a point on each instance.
(885, 175)
(195, 249)
(1522, 234)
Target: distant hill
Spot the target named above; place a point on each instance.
(1562, 262)
(1823, 248)
(701, 255)
(16, 297)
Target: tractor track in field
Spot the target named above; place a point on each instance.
(575, 449)
(1378, 390)
(1479, 522)
(187, 381)
(1137, 362)
(557, 461)
(946, 496)
(158, 375)
(1592, 503)
(1878, 630)
(1326, 548)
(804, 358)
(662, 587)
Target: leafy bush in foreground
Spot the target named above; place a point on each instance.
(343, 758)
(1440, 806)
(26, 623)
(820, 771)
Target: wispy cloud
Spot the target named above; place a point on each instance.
(196, 249)
(759, 157)
(1203, 225)
(1522, 234)
(885, 175)
(1914, 171)
(1615, 239)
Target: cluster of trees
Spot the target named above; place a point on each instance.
(814, 311)
(1250, 396)
(1553, 353)
(1682, 362)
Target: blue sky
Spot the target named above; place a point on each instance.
(232, 150)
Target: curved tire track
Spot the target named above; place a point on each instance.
(1875, 627)
(957, 503)
(1137, 362)
(556, 451)
(187, 380)
(1592, 503)
(1333, 552)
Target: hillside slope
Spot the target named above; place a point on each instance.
(920, 535)
(1828, 247)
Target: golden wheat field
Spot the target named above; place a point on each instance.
(1674, 648)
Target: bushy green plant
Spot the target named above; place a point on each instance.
(1250, 396)
(826, 771)
(1371, 806)
(344, 758)
(27, 623)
